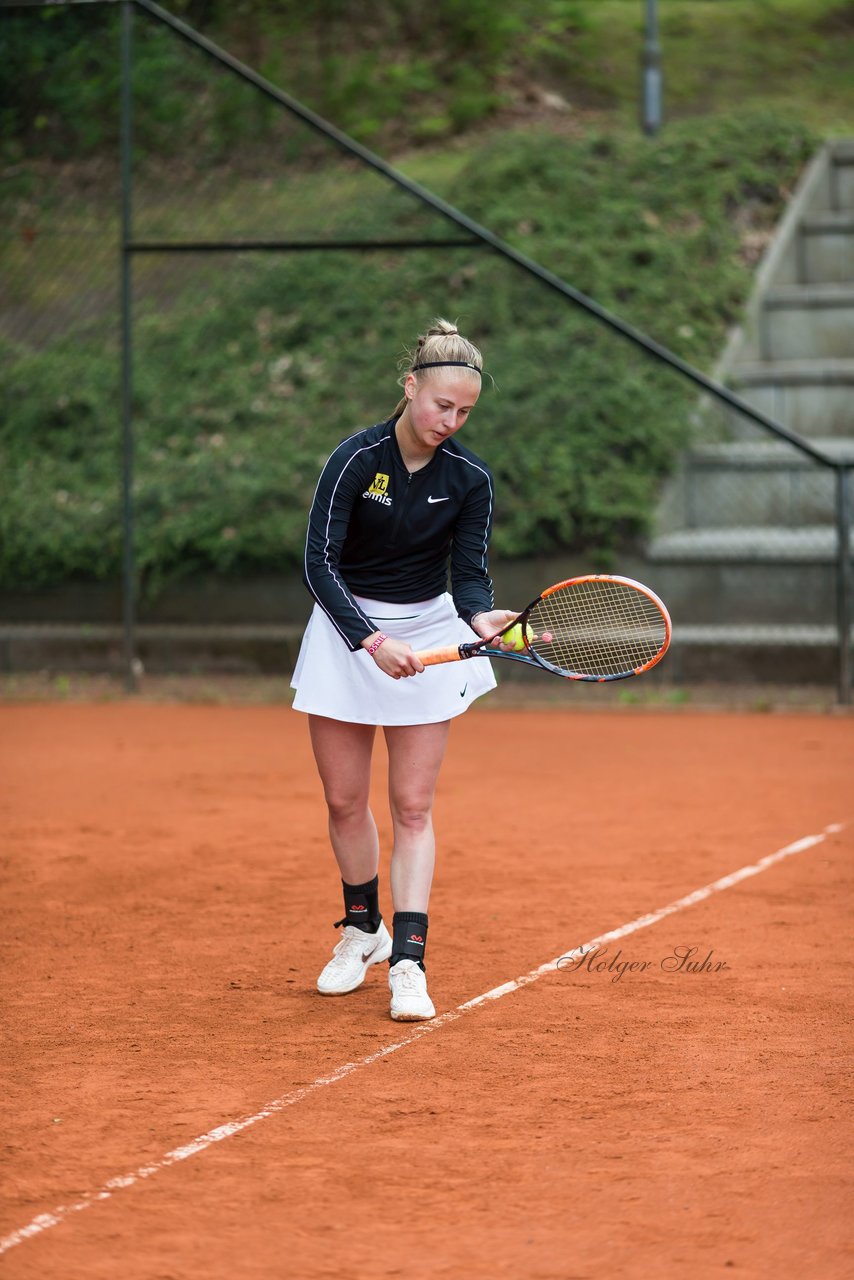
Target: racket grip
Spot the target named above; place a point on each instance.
(433, 656)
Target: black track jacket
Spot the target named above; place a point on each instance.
(380, 531)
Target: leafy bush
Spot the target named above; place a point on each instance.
(250, 369)
(400, 72)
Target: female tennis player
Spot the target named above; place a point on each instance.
(395, 506)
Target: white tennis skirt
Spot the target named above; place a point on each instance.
(332, 681)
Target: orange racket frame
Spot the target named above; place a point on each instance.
(485, 649)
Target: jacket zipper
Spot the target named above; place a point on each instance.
(401, 508)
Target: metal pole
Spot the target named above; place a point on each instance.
(843, 580)
(651, 71)
(126, 144)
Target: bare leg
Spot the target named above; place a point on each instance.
(415, 754)
(343, 755)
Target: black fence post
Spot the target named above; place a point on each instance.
(130, 663)
(843, 580)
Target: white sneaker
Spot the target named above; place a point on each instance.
(352, 958)
(409, 999)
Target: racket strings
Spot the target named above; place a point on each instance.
(597, 628)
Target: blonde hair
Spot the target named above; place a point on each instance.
(442, 343)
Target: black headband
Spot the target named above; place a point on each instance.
(436, 364)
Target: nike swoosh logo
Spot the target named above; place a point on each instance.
(367, 957)
(463, 690)
(438, 499)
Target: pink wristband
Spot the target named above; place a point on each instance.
(372, 648)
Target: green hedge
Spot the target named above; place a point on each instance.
(398, 73)
(248, 374)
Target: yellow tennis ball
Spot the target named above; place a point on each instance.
(515, 638)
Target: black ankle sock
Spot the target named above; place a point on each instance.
(410, 937)
(361, 903)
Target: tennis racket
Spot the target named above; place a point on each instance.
(599, 627)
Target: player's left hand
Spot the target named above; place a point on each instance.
(487, 625)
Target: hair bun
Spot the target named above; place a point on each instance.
(442, 328)
(442, 344)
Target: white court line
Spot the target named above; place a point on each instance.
(44, 1221)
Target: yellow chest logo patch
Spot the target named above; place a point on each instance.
(377, 491)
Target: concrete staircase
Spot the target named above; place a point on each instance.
(745, 548)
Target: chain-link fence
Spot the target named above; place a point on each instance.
(220, 244)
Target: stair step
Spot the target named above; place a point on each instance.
(813, 397)
(772, 637)
(842, 175)
(756, 484)
(794, 373)
(749, 544)
(813, 297)
(826, 248)
(792, 655)
(744, 577)
(839, 222)
(768, 455)
(807, 320)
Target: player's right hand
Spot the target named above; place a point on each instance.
(397, 659)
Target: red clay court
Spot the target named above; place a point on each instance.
(168, 902)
